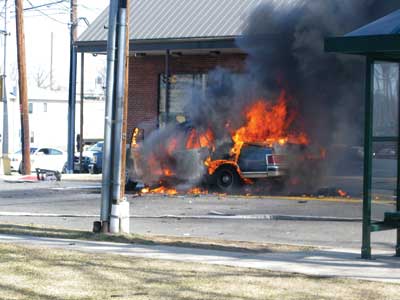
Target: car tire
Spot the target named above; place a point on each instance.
(130, 185)
(226, 179)
(64, 168)
(94, 170)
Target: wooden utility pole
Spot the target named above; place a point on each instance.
(5, 139)
(51, 60)
(74, 20)
(125, 117)
(23, 90)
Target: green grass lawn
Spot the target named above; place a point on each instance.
(190, 242)
(41, 273)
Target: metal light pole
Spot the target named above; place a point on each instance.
(107, 148)
(5, 138)
(114, 208)
(72, 89)
(81, 112)
(119, 107)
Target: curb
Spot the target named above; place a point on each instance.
(198, 217)
(255, 217)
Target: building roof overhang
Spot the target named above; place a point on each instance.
(379, 46)
(161, 45)
(176, 25)
(379, 39)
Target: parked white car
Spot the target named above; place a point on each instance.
(44, 158)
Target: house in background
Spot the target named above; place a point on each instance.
(183, 38)
(48, 113)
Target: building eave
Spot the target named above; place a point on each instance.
(154, 45)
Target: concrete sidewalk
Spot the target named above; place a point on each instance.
(15, 177)
(344, 263)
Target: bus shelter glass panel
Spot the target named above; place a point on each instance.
(386, 99)
(384, 176)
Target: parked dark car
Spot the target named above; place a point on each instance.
(85, 164)
(96, 163)
(87, 157)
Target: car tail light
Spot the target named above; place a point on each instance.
(274, 159)
(278, 159)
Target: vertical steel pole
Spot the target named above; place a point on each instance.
(71, 110)
(72, 90)
(366, 232)
(107, 149)
(167, 85)
(81, 112)
(5, 148)
(398, 164)
(119, 105)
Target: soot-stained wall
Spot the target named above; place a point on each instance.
(144, 75)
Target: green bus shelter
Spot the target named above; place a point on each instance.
(379, 42)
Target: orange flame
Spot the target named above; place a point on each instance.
(134, 138)
(268, 124)
(168, 172)
(196, 140)
(341, 193)
(160, 190)
(197, 191)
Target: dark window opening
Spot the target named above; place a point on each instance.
(182, 88)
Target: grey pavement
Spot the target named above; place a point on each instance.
(343, 263)
(75, 204)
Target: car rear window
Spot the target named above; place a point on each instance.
(32, 151)
(54, 152)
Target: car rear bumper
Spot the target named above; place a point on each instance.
(264, 174)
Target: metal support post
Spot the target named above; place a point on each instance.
(5, 138)
(72, 90)
(398, 168)
(107, 149)
(118, 147)
(366, 228)
(81, 111)
(167, 85)
(71, 110)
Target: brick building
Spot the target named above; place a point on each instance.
(182, 38)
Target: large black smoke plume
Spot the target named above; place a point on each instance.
(284, 42)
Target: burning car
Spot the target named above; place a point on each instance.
(223, 171)
(183, 155)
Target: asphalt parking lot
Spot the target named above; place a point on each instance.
(75, 204)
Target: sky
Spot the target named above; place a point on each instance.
(39, 24)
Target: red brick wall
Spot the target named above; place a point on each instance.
(144, 75)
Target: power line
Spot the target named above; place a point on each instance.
(89, 8)
(43, 5)
(46, 15)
